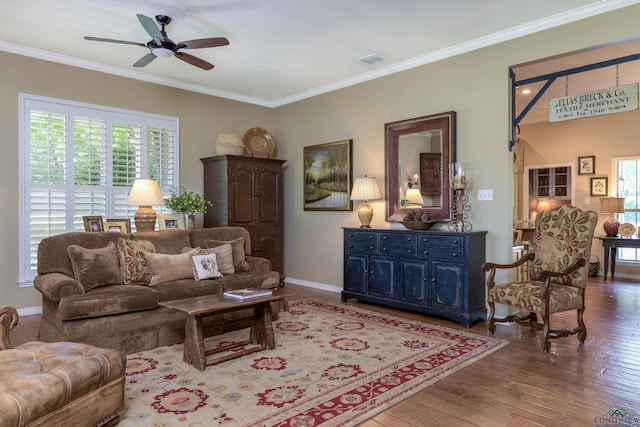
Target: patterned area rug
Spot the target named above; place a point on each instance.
(334, 365)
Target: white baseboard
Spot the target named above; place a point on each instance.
(315, 285)
(29, 311)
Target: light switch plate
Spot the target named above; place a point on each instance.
(486, 194)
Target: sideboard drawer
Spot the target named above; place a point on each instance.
(398, 238)
(360, 236)
(362, 247)
(441, 240)
(399, 250)
(444, 254)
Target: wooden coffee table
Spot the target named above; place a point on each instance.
(197, 307)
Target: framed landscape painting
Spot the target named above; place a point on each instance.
(327, 176)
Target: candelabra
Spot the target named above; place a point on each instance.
(460, 205)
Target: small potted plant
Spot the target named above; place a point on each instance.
(187, 203)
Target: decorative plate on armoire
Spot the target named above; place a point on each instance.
(259, 143)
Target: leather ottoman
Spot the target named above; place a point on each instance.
(58, 384)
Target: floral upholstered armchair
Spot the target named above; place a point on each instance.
(559, 269)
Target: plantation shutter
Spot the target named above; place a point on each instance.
(81, 160)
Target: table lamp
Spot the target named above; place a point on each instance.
(611, 206)
(145, 193)
(366, 189)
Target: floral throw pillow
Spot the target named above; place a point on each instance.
(133, 264)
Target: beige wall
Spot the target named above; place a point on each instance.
(475, 85)
(604, 137)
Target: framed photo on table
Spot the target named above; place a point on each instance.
(93, 223)
(599, 186)
(327, 176)
(170, 221)
(117, 223)
(586, 165)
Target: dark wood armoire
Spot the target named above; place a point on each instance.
(247, 192)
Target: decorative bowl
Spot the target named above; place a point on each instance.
(418, 225)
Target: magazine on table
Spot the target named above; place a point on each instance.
(248, 293)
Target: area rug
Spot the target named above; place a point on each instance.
(334, 365)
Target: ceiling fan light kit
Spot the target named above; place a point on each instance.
(161, 45)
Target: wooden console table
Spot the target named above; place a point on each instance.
(611, 245)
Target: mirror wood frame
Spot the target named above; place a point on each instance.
(446, 123)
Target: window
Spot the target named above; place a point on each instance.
(81, 159)
(627, 171)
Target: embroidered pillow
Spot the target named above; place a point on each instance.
(133, 264)
(205, 266)
(224, 257)
(94, 268)
(237, 248)
(165, 267)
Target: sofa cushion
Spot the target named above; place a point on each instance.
(224, 257)
(165, 267)
(187, 288)
(237, 247)
(94, 268)
(133, 264)
(106, 301)
(249, 279)
(205, 266)
(165, 241)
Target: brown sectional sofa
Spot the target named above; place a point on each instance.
(127, 317)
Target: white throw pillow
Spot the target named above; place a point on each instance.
(205, 266)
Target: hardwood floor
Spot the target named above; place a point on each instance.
(572, 385)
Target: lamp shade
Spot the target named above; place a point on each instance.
(414, 197)
(145, 192)
(366, 188)
(611, 205)
(543, 205)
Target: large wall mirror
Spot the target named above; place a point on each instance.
(417, 156)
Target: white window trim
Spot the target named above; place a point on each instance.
(25, 275)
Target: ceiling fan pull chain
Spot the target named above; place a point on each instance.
(617, 75)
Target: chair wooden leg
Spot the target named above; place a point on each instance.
(582, 333)
(492, 323)
(544, 338)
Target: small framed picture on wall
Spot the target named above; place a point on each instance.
(599, 186)
(586, 165)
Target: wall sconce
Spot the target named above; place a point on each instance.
(366, 189)
(145, 193)
(414, 182)
(611, 206)
(458, 175)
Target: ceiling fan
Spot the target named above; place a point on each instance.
(161, 45)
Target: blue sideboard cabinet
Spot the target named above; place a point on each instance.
(431, 272)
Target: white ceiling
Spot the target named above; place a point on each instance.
(280, 50)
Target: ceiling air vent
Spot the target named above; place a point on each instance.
(371, 59)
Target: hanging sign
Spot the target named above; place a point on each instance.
(597, 103)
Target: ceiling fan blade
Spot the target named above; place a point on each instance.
(203, 43)
(98, 39)
(150, 27)
(145, 60)
(200, 63)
